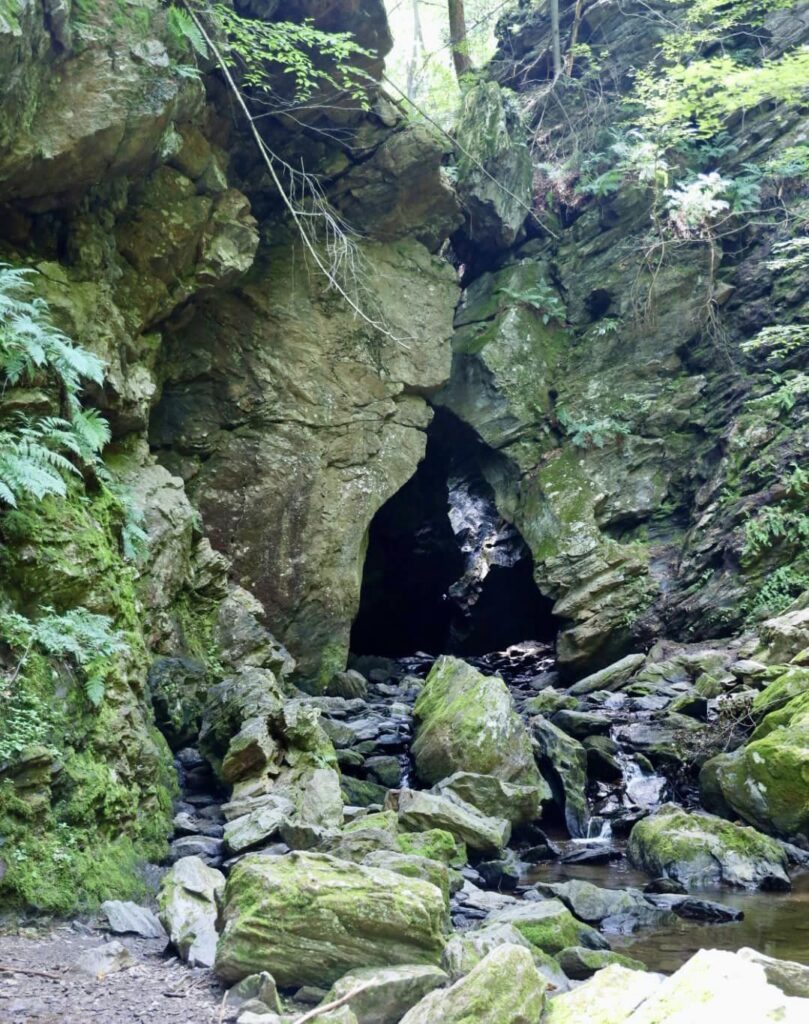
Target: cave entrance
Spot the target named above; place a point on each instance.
(444, 572)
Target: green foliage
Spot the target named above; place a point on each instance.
(314, 60)
(793, 254)
(27, 719)
(184, 31)
(787, 389)
(79, 637)
(694, 99)
(791, 162)
(774, 525)
(632, 157)
(606, 326)
(593, 434)
(35, 452)
(29, 341)
(778, 340)
(541, 297)
(776, 593)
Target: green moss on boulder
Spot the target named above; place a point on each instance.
(766, 782)
(702, 850)
(309, 918)
(467, 723)
(504, 988)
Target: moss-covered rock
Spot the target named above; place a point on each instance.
(323, 398)
(792, 682)
(494, 169)
(702, 850)
(504, 988)
(580, 963)
(494, 798)
(609, 997)
(309, 918)
(563, 762)
(466, 949)
(110, 781)
(435, 844)
(467, 723)
(766, 782)
(387, 992)
(420, 811)
(412, 866)
(549, 926)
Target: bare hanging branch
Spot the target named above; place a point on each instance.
(307, 216)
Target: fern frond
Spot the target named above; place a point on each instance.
(6, 493)
(185, 32)
(91, 428)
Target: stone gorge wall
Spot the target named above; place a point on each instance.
(638, 438)
(258, 425)
(128, 187)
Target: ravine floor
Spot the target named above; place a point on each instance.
(40, 983)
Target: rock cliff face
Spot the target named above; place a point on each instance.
(258, 424)
(130, 189)
(640, 442)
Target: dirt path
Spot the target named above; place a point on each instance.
(156, 989)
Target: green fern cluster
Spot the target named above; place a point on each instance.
(81, 638)
(593, 434)
(38, 454)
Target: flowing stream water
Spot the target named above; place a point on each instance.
(774, 923)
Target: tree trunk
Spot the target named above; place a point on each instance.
(457, 38)
(416, 51)
(556, 42)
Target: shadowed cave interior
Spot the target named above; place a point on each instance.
(444, 572)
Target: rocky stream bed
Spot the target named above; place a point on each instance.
(557, 823)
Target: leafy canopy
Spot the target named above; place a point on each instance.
(314, 59)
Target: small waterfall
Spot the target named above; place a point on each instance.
(599, 832)
(643, 789)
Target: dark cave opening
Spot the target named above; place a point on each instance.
(444, 572)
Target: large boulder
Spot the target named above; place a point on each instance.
(704, 989)
(504, 988)
(610, 678)
(385, 994)
(702, 850)
(308, 918)
(420, 812)
(495, 174)
(331, 419)
(766, 782)
(786, 635)
(791, 682)
(412, 866)
(403, 190)
(187, 901)
(467, 723)
(609, 997)
(549, 926)
(580, 963)
(563, 761)
(467, 948)
(495, 798)
(594, 904)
